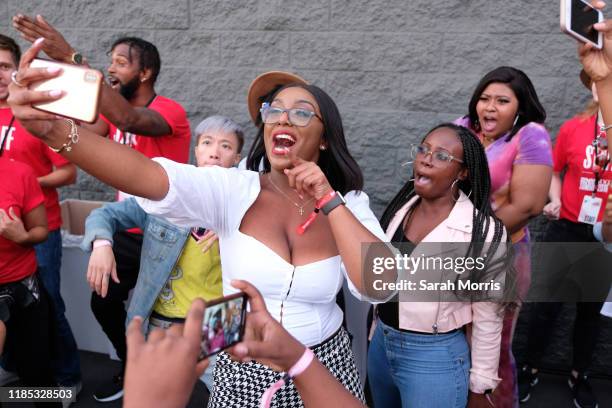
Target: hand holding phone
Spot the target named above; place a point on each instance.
(81, 88)
(577, 20)
(162, 370)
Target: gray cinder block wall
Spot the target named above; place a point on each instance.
(396, 68)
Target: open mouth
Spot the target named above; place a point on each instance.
(282, 143)
(113, 82)
(489, 124)
(421, 180)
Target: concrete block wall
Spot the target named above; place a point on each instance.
(395, 68)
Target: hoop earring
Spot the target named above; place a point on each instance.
(457, 199)
(515, 121)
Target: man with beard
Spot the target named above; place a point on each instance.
(51, 171)
(133, 114)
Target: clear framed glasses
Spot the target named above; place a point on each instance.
(440, 157)
(297, 116)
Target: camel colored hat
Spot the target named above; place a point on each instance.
(266, 83)
(585, 79)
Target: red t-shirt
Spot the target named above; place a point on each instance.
(25, 148)
(174, 146)
(574, 152)
(20, 191)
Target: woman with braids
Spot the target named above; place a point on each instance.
(507, 117)
(419, 355)
(268, 230)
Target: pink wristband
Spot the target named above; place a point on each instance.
(101, 243)
(302, 364)
(298, 368)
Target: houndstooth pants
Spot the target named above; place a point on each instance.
(243, 384)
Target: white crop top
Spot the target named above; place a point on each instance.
(217, 198)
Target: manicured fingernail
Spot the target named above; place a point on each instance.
(286, 171)
(41, 39)
(53, 70)
(55, 92)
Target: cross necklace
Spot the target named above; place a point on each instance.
(299, 207)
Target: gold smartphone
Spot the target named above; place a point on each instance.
(81, 87)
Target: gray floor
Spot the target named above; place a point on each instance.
(551, 392)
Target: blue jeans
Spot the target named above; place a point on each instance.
(66, 364)
(418, 370)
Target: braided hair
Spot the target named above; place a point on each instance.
(477, 186)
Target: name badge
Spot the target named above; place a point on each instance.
(590, 209)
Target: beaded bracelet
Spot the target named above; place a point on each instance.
(73, 138)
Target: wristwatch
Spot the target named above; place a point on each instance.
(76, 58)
(333, 203)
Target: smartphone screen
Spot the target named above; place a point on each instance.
(583, 19)
(223, 324)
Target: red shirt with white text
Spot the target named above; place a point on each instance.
(574, 152)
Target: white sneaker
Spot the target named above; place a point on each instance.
(7, 377)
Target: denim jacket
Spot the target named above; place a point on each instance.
(161, 248)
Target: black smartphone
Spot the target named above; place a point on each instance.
(223, 324)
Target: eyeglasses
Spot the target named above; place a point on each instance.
(441, 157)
(297, 116)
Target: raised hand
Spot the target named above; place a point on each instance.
(598, 63)
(55, 45)
(21, 98)
(307, 179)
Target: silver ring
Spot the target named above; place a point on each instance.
(15, 81)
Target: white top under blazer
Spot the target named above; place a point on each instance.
(218, 198)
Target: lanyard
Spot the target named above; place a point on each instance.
(597, 166)
(6, 135)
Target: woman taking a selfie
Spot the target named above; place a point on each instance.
(257, 217)
(507, 117)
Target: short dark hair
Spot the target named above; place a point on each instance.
(8, 44)
(529, 109)
(148, 56)
(336, 161)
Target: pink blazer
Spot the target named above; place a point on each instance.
(486, 317)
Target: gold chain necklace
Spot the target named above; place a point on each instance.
(299, 207)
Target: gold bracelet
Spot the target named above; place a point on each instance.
(73, 138)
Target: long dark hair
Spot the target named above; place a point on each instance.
(340, 168)
(529, 107)
(477, 186)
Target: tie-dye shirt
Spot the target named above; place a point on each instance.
(531, 145)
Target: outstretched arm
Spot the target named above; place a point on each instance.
(110, 162)
(116, 108)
